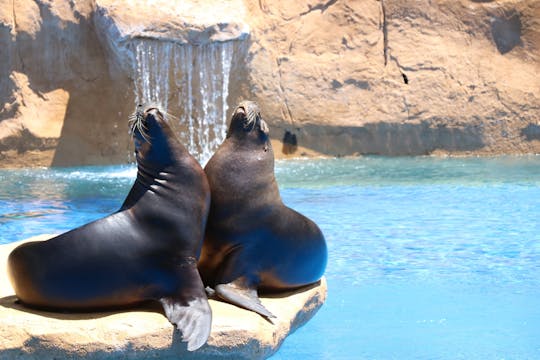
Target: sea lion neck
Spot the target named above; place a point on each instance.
(236, 171)
(163, 163)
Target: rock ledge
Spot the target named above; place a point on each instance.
(145, 333)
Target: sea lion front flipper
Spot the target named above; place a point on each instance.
(246, 297)
(193, 319)
(189, 309)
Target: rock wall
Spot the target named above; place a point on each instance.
(60, 106)
(399, 77)
(339, 77)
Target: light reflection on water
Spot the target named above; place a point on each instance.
(429, 258)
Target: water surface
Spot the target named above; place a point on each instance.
(430, 258)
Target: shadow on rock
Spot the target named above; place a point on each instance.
(422, 138)
(11, 302)
(531, 132)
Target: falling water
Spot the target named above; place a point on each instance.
(191, 83)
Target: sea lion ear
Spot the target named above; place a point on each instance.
(264, 127)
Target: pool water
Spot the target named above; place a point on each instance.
(429, 258)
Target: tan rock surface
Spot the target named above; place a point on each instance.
(145, 333)
(54, 71)
(194, 22)
(346, 77)
(399, 77)
(42, 114)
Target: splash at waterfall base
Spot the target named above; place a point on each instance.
(144, 332)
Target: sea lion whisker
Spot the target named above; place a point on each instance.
(143, 131)
(251, 113)
(250, 123)
(168, 115)
(136, 122)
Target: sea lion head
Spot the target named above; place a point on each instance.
(142, 123)
(247, 121)
(151, 134)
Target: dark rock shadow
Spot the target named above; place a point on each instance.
(393, 139)
(6, 65)
(11, 302)
(283, 294)
(531, 132)
(506, 32)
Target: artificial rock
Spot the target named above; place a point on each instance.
(383, 77)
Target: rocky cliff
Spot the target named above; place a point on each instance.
(332, 77)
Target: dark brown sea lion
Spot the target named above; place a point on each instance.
(253, 242)
(148, 250)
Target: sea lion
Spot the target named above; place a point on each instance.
(148, 250)
(253, 242)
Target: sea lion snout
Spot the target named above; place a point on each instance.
(154, 111)
(247, 116)
(239, 110)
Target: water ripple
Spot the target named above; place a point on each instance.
(427, 256)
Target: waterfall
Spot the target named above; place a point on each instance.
(190, 83)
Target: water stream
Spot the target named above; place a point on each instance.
(190, 83)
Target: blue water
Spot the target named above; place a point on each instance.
(429, 258)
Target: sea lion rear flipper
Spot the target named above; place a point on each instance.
(242, 296)
(193, 319)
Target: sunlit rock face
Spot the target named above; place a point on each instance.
(398, 77)
(363, 77)
(56, 94)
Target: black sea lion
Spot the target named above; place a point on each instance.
(147, 250)
(254, 242)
